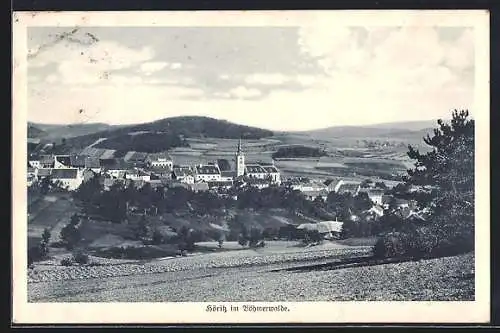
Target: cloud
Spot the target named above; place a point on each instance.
(88, 64)
(368, 76)
(244, 93)
(388, 59)
(267, 79)
(151, 67)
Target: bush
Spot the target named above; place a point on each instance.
(81, 258)
(70, 235)
(157, 237)
(242, 240)
(66, 262)
(255, 237)
(391, 245)
(423, 242)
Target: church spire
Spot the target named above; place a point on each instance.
(239, 146)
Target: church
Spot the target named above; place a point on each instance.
(265, 172)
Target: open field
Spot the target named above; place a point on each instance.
(51, 212)
(255, 275)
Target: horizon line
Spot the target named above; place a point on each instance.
(236, 123)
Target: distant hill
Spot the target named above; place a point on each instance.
(403, 130)
(54, 131)
(35, 132)
(167, 133)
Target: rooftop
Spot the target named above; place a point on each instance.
(254, 168)
(64, 159)
(65, 173)
(182, 171)
(159, 157)
(207, 170)
(270, 169)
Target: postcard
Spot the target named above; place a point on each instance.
(251, 167)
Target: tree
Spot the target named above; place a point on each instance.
(157, 237)
(142, 228)
(186, 239)
(362, 202)
(70, 235)
(255, 237)
(443, 179)
(45, 185)
(46, 236)
(243, 237)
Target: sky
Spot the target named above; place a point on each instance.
(279, 78)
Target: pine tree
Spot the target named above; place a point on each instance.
(445, 177)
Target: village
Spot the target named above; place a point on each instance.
(158, 170)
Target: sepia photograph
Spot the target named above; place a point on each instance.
(291, 159)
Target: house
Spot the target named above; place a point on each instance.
(389, 201)
(160, 160)
(136, 159)
(199, 187)
(273, 173)
(137, 175)
(307, 185)
(207, 172)
(255, 171)
(68, 178)
(42, 173)
(107, 183)
(227, 175)
(345, 186)
(256, 182)
(376, 211)
(375, 195)
(115, 167)
(93, 164)
(34, 161)
(183, 174)
(31, 176)
(312, 195)
(331, 184)
(225, 184)
(62, 162)
(77, 161)
(328, 229)
(46, 161)
(161, 172)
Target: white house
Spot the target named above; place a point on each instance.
(34, 163)
(160, 161)
(345, 186)
(206, 173)
(255, 171)
(137, 175)
(375, 195)
(273, 174)
(183, 174)
(68, 178)
(328, 229)
(62, 162)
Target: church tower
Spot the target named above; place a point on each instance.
(240, 161)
